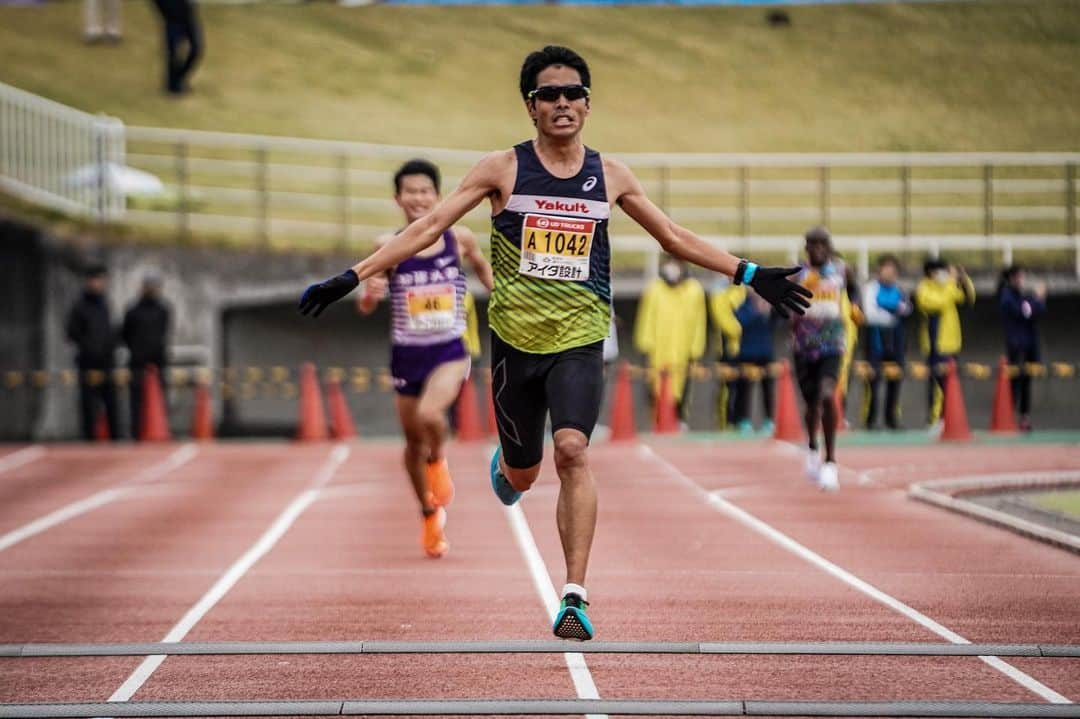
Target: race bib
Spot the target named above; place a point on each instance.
(432, 308)
(556, 248)
(825, 301)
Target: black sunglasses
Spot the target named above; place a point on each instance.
(551, 93)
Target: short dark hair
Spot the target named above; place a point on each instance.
(820, 233)
(888, 259)
(416, 167)
(540, 60)
(95, 269)
(932, 265)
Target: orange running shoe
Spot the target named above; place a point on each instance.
(439, 482)
(432, 538)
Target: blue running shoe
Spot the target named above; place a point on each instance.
(571, 622)
(506, 494)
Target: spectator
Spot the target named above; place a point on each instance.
(724, 300)
(1021, 309)
(101, 21)
(755, 317)
(670, 328)
(91, 330)
(183, 42)
(146, 334)
(886, 306)
(938, 295)
(853, 319)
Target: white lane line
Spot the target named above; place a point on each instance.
(26, 455)
(99, 499)
(740, 515)
(575, 661)
(235, 572)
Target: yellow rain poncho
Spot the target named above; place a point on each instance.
(670, 329)
(722, 306)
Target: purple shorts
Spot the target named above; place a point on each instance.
(410, 366)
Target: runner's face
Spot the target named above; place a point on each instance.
(417, 196)
(560, 118)
(817, 251)
(887, 273)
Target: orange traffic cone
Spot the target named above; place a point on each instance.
(667, 419)
(202, 420)
(153, 419)
(312, 425)
(622, 406)
(955, 420)
(788, 427)
(101, 427)
(341, 421)
(1003, 418)
(492, 423)
(468, 414)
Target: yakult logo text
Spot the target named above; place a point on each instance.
(560, 206)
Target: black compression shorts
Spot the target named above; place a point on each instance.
(811, 372)
(526, 386)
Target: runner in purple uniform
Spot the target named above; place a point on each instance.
(428, 360)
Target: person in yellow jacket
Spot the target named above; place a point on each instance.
(724, 300)
(853, 319)
(471, 338)
(938, 296)
(670, 327)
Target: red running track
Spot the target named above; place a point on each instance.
(669, 564)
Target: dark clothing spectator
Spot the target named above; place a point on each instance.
(90, 328)
(885, 307)
(755, 316)
(145, 332)
(183, 42)
(1021, 311)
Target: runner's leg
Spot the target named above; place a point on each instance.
(440, 391)
(416, 450)
(574, 390)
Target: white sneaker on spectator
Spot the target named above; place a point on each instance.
(829, 477)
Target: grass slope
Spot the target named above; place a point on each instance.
(991, 75)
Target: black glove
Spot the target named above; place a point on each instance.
(772, 283)
(319, 297)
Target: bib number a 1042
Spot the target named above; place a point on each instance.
(556, 248)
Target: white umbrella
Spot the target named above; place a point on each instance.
(119, 178)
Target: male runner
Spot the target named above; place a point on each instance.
(550, 310)
(428, 358)
(818, 344)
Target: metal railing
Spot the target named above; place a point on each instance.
(59, 157)
(267, 192)
(275, 192)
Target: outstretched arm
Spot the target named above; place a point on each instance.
(481, 181)
(770, 282)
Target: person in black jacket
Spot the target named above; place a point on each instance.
(183, 42)
(1021, 308)
(146, 332)
(90, 328)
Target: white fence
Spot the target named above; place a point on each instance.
(276, 192)
(58, 157)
